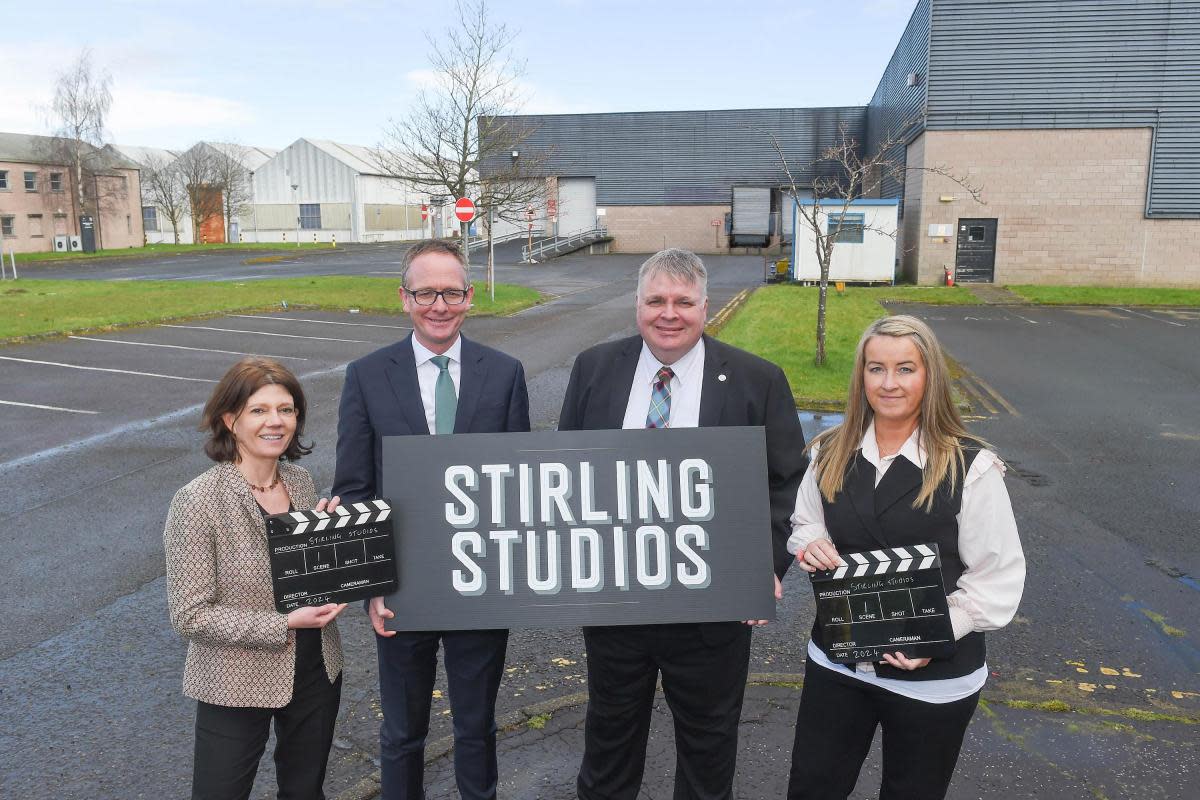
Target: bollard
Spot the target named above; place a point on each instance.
(285, 237)
(333, 240)
(314, 238)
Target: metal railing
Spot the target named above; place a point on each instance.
(565, 244)
(476, 242)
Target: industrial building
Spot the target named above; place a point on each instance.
(1078, 122)
(320, 190)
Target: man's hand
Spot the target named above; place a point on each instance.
(778, 596)
(378, 613)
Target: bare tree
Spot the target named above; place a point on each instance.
(82, 98)
(231, 176)
(198, 174)
(439, 146)
(853, 176)
(163, 187)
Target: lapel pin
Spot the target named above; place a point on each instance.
(721, 377)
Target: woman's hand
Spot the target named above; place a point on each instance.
(901, 661)
(314, 616)
(328, 505)
(820, 554)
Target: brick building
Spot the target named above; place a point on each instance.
(39, 201)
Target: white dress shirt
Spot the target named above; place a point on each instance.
(427, 375)
(686, 386)
(993, 578)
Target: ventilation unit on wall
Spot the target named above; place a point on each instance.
(76, 244)
(60, 244)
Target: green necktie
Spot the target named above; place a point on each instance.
(445, 401)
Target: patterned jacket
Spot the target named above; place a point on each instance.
(240, 650)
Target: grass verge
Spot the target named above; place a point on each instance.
(779, 323)
(151, 250)
(1107, 295)
(46, 308)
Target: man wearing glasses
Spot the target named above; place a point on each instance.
(432, 382)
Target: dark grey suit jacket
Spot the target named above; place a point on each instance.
(381, 397)
(754, 392)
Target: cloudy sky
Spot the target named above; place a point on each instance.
(266, 72)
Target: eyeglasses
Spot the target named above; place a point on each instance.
(427, 297)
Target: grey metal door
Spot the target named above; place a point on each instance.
(976, 259)
(576, 205)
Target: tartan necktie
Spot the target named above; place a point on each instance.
(659, 415)
(445, 400)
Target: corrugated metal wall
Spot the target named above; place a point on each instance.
(684, 157)
(898, 108)
(1076, 64)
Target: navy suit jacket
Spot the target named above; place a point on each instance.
(381, 397)
(738, 389)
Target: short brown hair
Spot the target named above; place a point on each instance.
(241, 381)
(433, 246)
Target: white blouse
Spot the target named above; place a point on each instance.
(989, 589)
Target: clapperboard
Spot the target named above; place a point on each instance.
(320, 557)
(884, 601)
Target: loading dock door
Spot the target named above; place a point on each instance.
(576, 205)
(976, 258)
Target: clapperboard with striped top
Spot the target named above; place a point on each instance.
(884, 601)
(320, 557)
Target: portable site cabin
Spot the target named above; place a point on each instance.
(864, 251)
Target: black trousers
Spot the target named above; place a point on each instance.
(230, 741)
(704, 680)
(835, 726)
(407, 666)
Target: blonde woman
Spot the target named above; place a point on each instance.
(249, 666)
(902, 470)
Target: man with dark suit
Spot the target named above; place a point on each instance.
(434, 381)
(671, 375)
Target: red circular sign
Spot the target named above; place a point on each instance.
(464, 209)
(424, 212)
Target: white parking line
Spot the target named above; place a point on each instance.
(322, 321)
(120, 431)
(182, 347)
(1148, 316)
(106, 369)
(264, 333)
(47, 408)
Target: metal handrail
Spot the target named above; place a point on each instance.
(575, 240)
(481, 241)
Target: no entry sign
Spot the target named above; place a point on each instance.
(464, 209)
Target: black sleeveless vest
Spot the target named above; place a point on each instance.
(865, 517)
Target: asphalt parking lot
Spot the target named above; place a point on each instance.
(1094, 408)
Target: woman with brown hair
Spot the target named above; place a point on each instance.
(247, 664)
(902, 470)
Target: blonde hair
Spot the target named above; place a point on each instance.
(942, 429)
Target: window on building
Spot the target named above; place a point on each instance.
(31, 181)
(56, 182)
(3, 179)
(310, 216)
(976, 233)
(6, 226)
(60, 224)
(35, 225)
(846, 228)
(149, 218)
